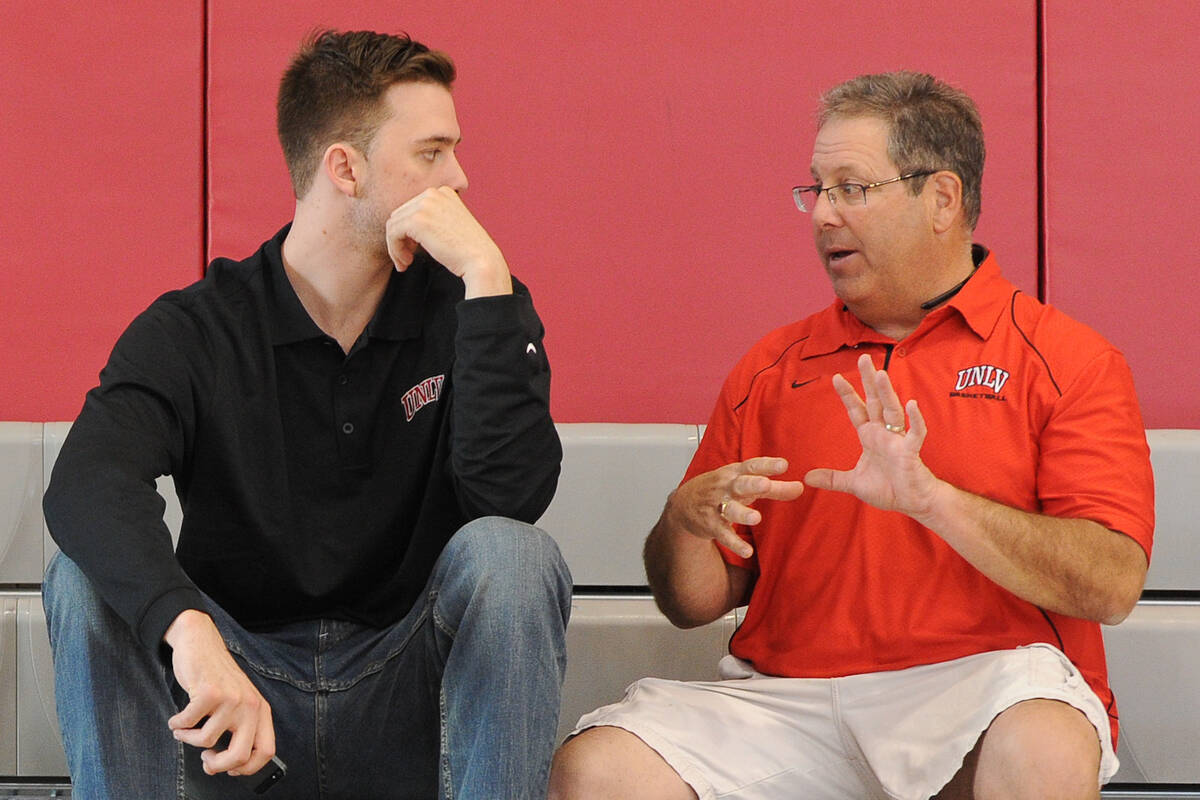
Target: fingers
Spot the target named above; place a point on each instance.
(917, 429)
(725, 536)
(738, 512)
(402, 250)
(437, 221)
(734, 488)
(763, 465)
(204, 734)
(709, 505)
(263, 745)
(240, 743)
(856, 410)
(891, 413)
(752, 484)
(264, 740)
(189, 718)
(874, 402)
(881, 404)
(221, 700)
(234, 756)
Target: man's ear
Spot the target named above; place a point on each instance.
(344, 166)
(946, 198)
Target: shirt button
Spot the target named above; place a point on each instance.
(900, 351)
(348, 427)
(343, 380)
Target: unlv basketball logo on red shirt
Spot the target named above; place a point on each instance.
(984, 376)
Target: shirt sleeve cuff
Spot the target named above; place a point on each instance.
(163, 611)
(492, 314)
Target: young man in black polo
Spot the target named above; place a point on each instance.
(357, 421)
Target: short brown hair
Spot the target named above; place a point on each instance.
(931, 126)
(333, 91)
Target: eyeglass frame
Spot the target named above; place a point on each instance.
(816, 188)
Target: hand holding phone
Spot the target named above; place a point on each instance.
(266, 777)
(261, 781)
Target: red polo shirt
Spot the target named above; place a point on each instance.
(1024, 406)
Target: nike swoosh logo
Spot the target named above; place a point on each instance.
(798, 384)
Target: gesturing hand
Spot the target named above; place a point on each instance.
(708, 503)
(890, 473)
(221, 698)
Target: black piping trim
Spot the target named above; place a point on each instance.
(887, 357)
(778, 358)
(1054, 628)
(1109, 709)
(1012, 310)
(1113, 701)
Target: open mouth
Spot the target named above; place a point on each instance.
(835, 256)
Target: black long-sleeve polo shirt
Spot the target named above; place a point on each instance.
(314, 483)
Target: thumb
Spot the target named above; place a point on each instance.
(820, 478)
(402, 254)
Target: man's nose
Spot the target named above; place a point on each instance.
(457, 178)
(824, 213)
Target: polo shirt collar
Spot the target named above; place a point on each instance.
(398, 316)
(985, 295)
(980, 302)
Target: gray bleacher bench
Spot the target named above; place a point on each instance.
(615, 479)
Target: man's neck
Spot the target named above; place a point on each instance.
(899, 316)
(339, 284)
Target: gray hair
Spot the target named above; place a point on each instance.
(931, 126)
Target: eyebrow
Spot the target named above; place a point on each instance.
(861, 181)
(439, 140)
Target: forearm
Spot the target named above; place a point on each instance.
(104, 512)
(692, 584)
(1075, 567)
(505, 449)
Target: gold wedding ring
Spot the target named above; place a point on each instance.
(893, 428)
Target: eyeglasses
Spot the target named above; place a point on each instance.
(852, 194)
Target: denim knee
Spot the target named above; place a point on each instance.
(68, 596)
(509, 566)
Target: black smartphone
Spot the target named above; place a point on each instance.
(266, 777)
(261, 781)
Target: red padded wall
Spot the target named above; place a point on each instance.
(1123, 188)
(634, 161)
(102, 209)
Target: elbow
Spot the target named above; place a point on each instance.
(56, 504)
(524, 502)
(1124, 587)
(1117, 617)
(684, 609)
(1120, 604)
(685, 619)
(1122, 598)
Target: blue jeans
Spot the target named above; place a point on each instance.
(459, 699)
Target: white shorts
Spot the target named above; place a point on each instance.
(900, 735)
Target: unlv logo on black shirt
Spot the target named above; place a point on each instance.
(421, 395)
